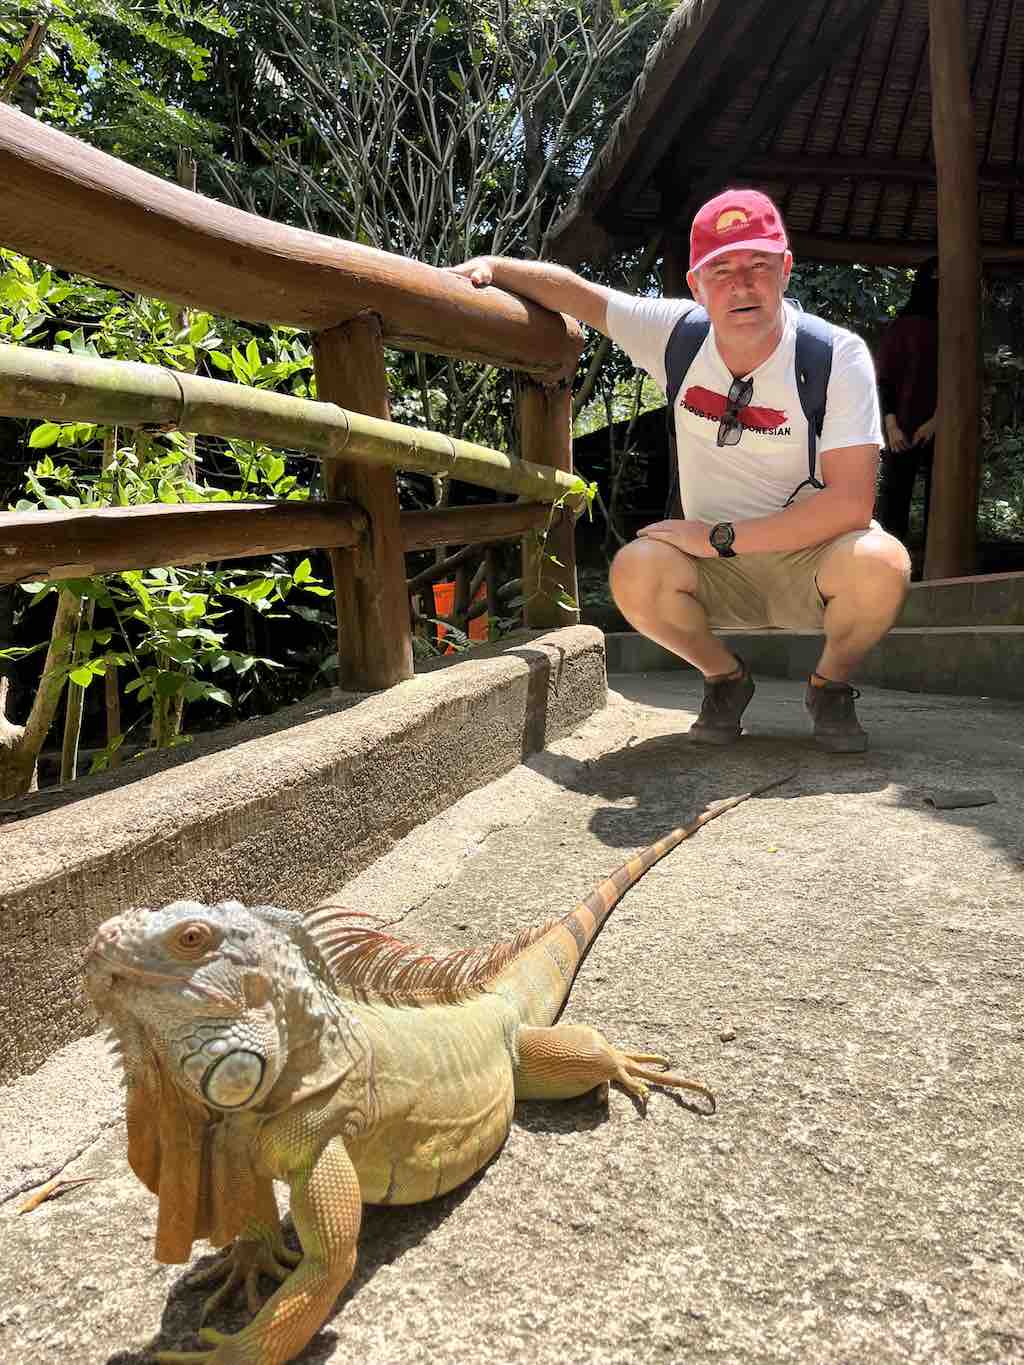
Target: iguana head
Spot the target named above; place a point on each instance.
(203, 987)
(221, 1011)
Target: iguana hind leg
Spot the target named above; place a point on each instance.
(570, 1059)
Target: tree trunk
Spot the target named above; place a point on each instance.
(20, 744)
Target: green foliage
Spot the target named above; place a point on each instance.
(575, 501)
(1001, 502)
(163, 619)
(162, 624)
(27, 299)
(861, 297)
(116, 72)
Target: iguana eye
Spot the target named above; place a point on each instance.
(191, 940)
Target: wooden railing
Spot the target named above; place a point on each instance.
(76, 208)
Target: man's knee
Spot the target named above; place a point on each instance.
(874, 563)
(644, 568)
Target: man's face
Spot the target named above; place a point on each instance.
(742, 292)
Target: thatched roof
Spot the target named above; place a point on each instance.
(825, 104)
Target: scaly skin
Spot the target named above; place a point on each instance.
(261, 1046)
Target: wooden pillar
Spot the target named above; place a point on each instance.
(374, 637)
(545, 437)
(675, 262)
(952, 521)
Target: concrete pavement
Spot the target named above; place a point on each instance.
(838, 960)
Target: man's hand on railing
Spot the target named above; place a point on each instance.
(479, 270)
(543, 282)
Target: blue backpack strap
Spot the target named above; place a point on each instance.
(813, 368)
(685, 340)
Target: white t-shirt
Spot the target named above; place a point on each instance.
(755, 477)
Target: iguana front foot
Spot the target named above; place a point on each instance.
(243, 1263)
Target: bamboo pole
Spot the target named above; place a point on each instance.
(374, 634)
(953, 517)
(116, 392)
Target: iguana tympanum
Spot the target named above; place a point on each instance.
(261, 1045)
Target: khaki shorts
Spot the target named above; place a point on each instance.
(759, 591)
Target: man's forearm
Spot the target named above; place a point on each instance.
(829, 513)
(552, 286)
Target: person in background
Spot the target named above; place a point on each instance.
(907, 366)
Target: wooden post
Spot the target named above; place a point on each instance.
(953, 517)
(491, 579)
(374, 637)
(675, 262)
(545, 437)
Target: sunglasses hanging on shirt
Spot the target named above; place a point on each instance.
(730, 428)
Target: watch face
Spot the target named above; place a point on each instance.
(722, 536)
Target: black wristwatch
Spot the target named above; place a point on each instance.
(721, 536)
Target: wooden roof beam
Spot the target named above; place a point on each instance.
(738, 35)
(806, 67)
(828, 169)
(745, 54)
(1000, 87)
(896, 251)
(1011, 203)
(872, 123)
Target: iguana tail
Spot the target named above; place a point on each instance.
(542, 975)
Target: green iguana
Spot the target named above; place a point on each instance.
(261, 1045)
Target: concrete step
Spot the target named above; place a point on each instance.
(980, 600)
(978, 661)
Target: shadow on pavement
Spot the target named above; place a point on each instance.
(918, 745)
(386, 1235)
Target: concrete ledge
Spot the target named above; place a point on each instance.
(979, 661)
(981, 600)
(282, 810)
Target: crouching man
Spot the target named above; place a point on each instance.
(777, 435)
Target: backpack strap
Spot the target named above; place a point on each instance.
(685, 340)
(813, 368)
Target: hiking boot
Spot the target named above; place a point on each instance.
(836, 727)
(725, 700)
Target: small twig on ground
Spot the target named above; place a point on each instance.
(51, 1190)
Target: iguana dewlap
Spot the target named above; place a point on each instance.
(259, 1045)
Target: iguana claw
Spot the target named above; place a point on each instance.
(215, 1357)
(182, 1357)
(243, 1263)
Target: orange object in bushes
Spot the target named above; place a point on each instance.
(444, 603)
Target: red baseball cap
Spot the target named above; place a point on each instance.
(736, 220)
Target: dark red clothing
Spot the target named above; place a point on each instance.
(908, 367)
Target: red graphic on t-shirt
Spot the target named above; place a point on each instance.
(707, 403)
